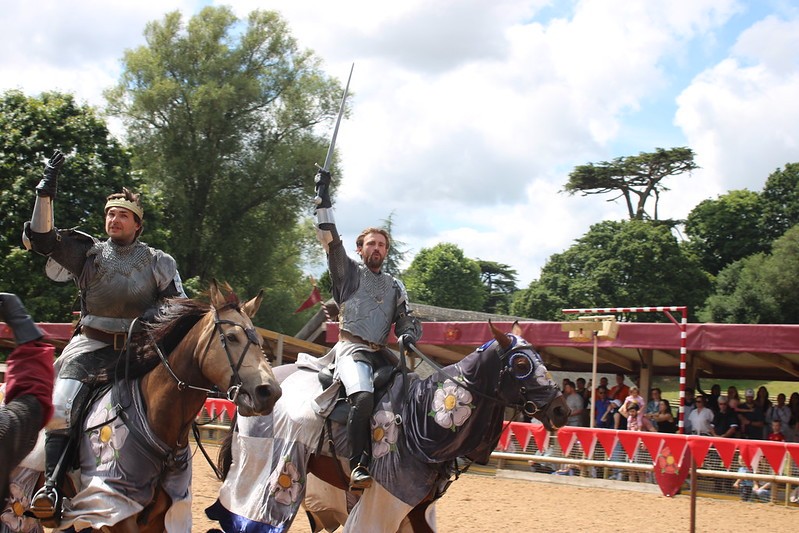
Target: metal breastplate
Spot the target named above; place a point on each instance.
(369, 312)
(122, 287)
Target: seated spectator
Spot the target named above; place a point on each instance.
(762, 400)
(732, 393)
(744, 486)
(780, 411)
(712, 397)
(652, 407)
(636, 398)
(688, 406)
(663, 420)
(751, 417)
(701, 419)
(725, 422)
(776, 431)
(611, 418)
(761, 491)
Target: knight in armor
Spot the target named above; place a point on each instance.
(370, 301)
(119, 280)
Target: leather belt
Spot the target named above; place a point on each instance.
(117, 340)
(345, 335)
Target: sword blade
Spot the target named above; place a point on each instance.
(329, 156)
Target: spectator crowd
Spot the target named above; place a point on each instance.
(621, 406)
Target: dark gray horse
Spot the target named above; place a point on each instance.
(421, 430)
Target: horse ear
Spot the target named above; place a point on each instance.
(501, 338)
(516, 329)
(251, 307)
(217, 300)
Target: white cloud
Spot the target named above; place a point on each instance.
(468, 115)
(741, 116)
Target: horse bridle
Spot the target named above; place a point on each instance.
(513, 354)
(235, 380)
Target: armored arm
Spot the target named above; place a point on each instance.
(42, 220)
(165, 270)
(405, 324)
(325, 224)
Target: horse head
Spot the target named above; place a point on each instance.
(530, 387)
(236, 361)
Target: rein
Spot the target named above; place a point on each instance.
(235, 380)
(169, 456)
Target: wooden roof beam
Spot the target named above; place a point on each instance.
(778, 361)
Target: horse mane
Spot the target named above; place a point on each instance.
(165, 333)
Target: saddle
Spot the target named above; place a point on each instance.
(384, 370)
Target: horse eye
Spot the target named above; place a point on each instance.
(521, 366)
(231, 337)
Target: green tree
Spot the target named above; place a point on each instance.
(616, 264)
(222, 115)
(444, 277)
(635, 178)
(396, 252)
(97, 165)
(500, 284)
(780, 199)
(726, 229)
(759, 289)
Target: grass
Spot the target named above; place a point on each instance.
(670, 387)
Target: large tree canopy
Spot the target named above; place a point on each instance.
(221, 116)
(780, 198)
(31, 128)
(759, 289)
(616, 264)
(635, 178)
(500, 284)
(726, 229)
(443, 276)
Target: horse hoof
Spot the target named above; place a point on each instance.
(46, 507)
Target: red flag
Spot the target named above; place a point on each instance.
(312, 300)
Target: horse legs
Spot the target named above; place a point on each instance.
(377, 510)
(151, 518)
(421, 519)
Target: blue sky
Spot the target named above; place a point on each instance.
(468, 115)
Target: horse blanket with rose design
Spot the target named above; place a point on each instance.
(412, 449)
(118, 473)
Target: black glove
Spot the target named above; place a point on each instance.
(322, 181)
(49, 183)
(13, 313)
(407, 340)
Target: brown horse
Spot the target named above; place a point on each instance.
(208, 346)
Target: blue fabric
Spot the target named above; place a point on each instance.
(233, 523)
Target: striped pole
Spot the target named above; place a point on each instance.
(683, 325)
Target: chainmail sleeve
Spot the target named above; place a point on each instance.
(343, 272)
(20, 421)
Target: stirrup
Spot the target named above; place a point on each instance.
(360, 479)
(46, 506)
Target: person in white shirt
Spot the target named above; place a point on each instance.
(701, 418)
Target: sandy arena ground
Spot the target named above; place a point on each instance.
(512, 502)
